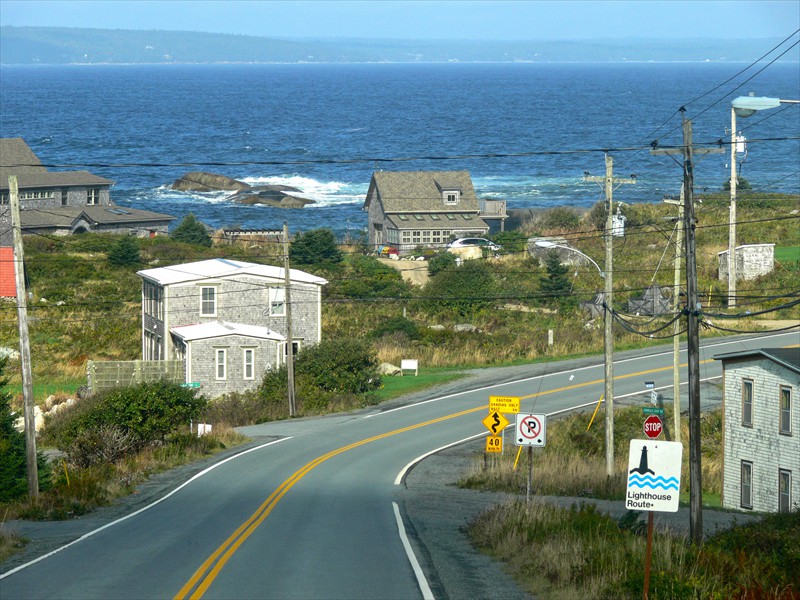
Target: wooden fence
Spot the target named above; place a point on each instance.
(123, 373)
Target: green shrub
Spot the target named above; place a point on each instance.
(367, 277)
(124, 252)
(13, 458)
(441, 261)
(191, 231)
(315, 247)
(407, 327)
(339, 365)
(122, 419)
(465, 290)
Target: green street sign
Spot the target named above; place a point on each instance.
(652, 410)
(191, 384)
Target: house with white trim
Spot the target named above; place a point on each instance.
(761, 429)
(227, 319)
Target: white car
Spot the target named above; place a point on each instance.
(473, 241)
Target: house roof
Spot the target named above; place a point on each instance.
(16, 158)
(787, 357)
(421, 191)
(67, 216)
(431, 221)
(217, 329)
(218, 268)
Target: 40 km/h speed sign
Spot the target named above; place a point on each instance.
(531, 430)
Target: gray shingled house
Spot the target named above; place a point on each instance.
(761, 429)
(227, 319)
(421, 208)
(65, 202)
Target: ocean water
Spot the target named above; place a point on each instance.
(526, 132)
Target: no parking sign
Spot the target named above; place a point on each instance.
(531, 430)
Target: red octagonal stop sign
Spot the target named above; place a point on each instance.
(653, 426)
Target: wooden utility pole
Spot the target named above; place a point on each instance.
(288, 304)
(608, 336)
(24, 342)
(676, 330)
(692, 313)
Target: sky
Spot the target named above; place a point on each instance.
(435, 20)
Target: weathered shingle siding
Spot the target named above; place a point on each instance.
(762, 444)
(202, 366)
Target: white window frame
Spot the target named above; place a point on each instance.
(92, 196)
(784, 490)
(746, 484)
(204, 301)
(277, 301)
(221, 366)
(451, 197)
(748, 391)
(785, 410)
(249, 366)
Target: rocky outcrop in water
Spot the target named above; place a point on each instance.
(279, 196)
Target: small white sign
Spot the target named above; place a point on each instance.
(531, 430)
(654, 476)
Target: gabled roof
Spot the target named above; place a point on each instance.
(220, 268)
(67, 216)
(415, 191)
(217, 329)
(16, 158)
(432, 221)
(787, 357)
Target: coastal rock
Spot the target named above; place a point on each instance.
(200, 181)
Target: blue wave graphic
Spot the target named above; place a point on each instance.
(666, 483)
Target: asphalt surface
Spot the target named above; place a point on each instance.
(434, 510)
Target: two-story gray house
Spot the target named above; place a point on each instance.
(407, 209)
(66, 202)
(761, 429)
(227, 319)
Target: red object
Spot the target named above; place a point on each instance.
(8, 284)
(653, 426)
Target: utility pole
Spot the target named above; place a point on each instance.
(608, 335)
(692, 313)
(676, 330)
(288, 304)
(24, 342)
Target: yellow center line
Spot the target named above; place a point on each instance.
(206, 573)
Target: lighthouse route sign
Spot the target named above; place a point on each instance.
(654, 476)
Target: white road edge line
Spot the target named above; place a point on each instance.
(427, 594)
(141, 510)
(553, 374)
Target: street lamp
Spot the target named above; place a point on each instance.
(743, 106)
(608, 348)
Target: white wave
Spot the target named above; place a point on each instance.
(322, 192)
(165, 193)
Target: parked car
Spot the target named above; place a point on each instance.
(481, 242)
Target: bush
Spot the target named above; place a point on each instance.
(441, 261)
(124, 252)
(13, 458)
(191, 231)
(407, 327)
(123, 419)
(317, 246)
(339, 365)
(367, 277)
(464, 290)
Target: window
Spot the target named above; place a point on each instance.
(208, 301)
(450, 196)
(784, 490)
(746, 485)
(64, 198)
(786, 410)
(221, 371)
(277, 301)
(37, 195)
(249, 363)
(154, 301)
(747, 402)
(92, 196)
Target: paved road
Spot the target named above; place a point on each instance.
(321, 508)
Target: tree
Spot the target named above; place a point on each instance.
(124, 252)
(464, 290)
(555, 286)
(441, 261)
(741, 184)
(315, 247)
(191, 231)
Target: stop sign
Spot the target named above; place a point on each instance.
(653, 426)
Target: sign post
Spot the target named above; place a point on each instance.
(654, 483)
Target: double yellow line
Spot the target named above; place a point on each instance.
(205, 575)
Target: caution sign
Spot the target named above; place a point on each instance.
(654, 476)
(495, 422)
(504, 404)
(494, 443)
(531, 430)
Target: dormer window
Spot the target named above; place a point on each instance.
(451, 197)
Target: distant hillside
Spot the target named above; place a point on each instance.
(60, 45)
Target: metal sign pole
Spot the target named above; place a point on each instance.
(530, 475)
(647, 554)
